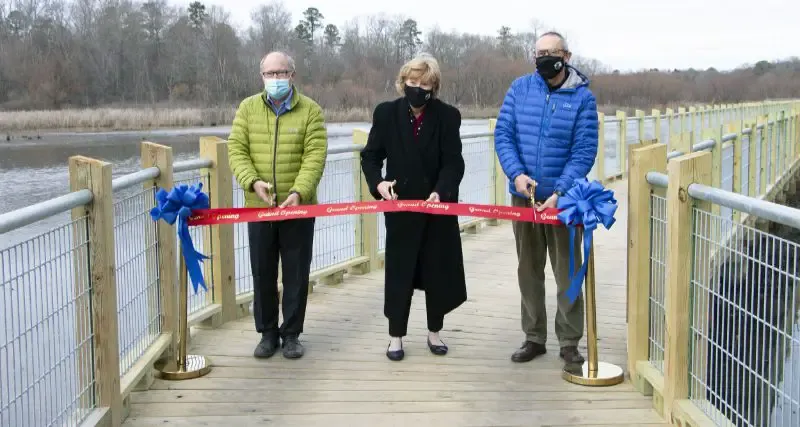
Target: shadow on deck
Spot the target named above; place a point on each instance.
(345, 379)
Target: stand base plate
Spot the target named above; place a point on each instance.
(606, 374)
(196, 366)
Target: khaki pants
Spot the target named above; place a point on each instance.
(534, 242)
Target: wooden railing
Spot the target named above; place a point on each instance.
(128, 319)
(682, 245)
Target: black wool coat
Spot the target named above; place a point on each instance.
(422, 251)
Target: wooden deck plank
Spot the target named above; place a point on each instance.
(345, 378)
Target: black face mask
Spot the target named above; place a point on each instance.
(549, 66)
(417, 96)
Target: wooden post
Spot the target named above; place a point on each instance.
(716, 160)
(736, 128)
(498, 177)
(671, 143)
(640, 125)
(692, 134)
(220, 190)
(160, 156)
(752, 166)
(773, 150)
(622, 143)
(643, 160)
(600, 161)
(367, 228)
(95, 175)
(682, 171)
(764, 157)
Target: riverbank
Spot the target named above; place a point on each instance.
(30, 123)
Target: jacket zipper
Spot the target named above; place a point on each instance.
(546, 120)
(275, 159)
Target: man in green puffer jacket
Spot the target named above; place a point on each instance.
(277, 149)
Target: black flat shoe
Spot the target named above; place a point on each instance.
(439, 350)
(397, 354)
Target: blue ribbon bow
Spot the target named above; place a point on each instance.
(587, 203)
(177, 204)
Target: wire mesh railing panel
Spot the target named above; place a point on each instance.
(46, 358)
(477, 185)
(745, 337)
(631, 131)
(726, 180)
(612, 164)
(649, 123)
(136, 257)
(201, 238)
(676, 125)
(664, 137)
(658, 278)
(335, 236)
(241, 247)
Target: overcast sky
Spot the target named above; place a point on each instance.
(625, 34)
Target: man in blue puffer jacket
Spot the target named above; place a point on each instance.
(546, 134)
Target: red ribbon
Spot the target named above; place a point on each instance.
(238, 215)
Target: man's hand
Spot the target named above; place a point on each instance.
(386, 191)
(292, 200)
(523, 184)
(264, 192)
(549, 203)
(433, 198)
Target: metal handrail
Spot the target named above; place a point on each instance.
(38, 211)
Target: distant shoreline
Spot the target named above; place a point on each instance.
(15, 123)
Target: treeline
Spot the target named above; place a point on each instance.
(90, 53)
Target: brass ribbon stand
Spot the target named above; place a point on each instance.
(592, 372)
(184, 366)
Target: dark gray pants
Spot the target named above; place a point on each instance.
(534, 243)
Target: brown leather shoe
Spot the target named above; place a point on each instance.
(529, 351)
(571, 355)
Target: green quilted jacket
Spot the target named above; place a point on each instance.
(287, 151)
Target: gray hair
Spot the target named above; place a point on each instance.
(288, 57)
(560, 37)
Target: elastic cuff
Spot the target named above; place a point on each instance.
(568, 343)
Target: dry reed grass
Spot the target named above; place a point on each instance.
(165, 117)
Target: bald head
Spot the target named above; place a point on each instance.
(277, 60)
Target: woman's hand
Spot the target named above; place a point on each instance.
(433, 198)
(386, 190)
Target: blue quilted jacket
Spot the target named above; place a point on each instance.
(549, 136)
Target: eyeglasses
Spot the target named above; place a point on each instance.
(279, 73)
(554, 52)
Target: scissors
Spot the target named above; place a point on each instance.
(533, 193)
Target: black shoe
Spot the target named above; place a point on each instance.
(571, 355)
(292, 349)
(395, 355)
(439, 350)
(267, 347)
(529, 351)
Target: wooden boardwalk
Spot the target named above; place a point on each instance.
(345, 379)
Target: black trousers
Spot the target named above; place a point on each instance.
(292, 241)
(398, 326)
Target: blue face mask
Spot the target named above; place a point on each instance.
(277, 88)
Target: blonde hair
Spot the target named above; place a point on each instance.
(426, 67)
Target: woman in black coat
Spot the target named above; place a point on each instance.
(419, 137)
